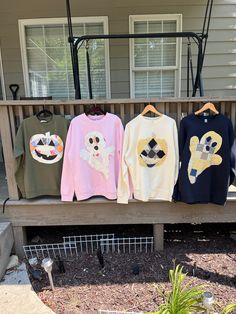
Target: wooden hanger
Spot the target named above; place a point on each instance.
(207, 106)
(151, 108)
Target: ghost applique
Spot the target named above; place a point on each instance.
(203, 154)
(96, 153)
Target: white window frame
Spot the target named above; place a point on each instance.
(2, 81)
(156, 17)
(50, 21)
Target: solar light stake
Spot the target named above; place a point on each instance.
(47, 265)
(208, 301)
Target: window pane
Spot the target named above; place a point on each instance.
(154, 27)
(140, 28)
(38, 84)
(78, 30)
(169, 55)
(55, 59)
(168, 83)
(34, 36)
(140, 81)
(36, 60)
(54, 36)
(94, 29)
(154, 54)
(140, 55)
(169, 27)
(154, 84)
(49, 61)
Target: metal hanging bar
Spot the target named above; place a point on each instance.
(88, 70)
(205, 32)
(74, 53)
(189, 67)
(204, 36)
(198, 38)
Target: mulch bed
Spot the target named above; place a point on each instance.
(85, 288)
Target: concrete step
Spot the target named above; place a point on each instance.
(17, 295)
(6, 243)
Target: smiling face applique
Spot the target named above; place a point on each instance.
(152, 151)
(46, 148)
(96, 153)
(203, 154)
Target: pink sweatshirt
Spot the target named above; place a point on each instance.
(92, 157)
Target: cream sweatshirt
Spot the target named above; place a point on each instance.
(150, 162)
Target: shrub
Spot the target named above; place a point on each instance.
(182, 299)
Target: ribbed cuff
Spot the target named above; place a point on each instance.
(122, 200)
(67, 198)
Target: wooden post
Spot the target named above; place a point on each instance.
(8, 153)
(158, 233)
(20, 240)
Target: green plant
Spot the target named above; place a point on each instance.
(182, 299)
(228, 309)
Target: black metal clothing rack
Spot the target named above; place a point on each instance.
(199, 38)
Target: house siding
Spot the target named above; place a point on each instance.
(220, 62)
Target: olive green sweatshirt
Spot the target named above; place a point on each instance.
(39, 148)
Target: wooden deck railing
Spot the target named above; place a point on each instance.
(12, 114)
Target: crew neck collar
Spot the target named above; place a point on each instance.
(44, 123)
(151, 119)
(206, 119)
(95, 118)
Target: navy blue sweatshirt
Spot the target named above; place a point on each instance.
(207, 163)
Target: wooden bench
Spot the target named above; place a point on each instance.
(99, 211)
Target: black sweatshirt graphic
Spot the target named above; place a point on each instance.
(207, 159)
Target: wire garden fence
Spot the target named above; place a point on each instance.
(117, 312)
(74, 246)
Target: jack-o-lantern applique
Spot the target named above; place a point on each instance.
(152, 151)
(46, 148)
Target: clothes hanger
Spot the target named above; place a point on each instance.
(95, 110)
(42, 115)
(152, 109)
(207, 106)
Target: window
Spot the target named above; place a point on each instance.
(47, 60)
(2, 85)
(155, 63)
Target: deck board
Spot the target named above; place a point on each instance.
(51, 211)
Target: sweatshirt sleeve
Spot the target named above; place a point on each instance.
(232, 143)
(123, 182)
(67, 179)
(19, 154)
(119, 144)
(176, 151)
